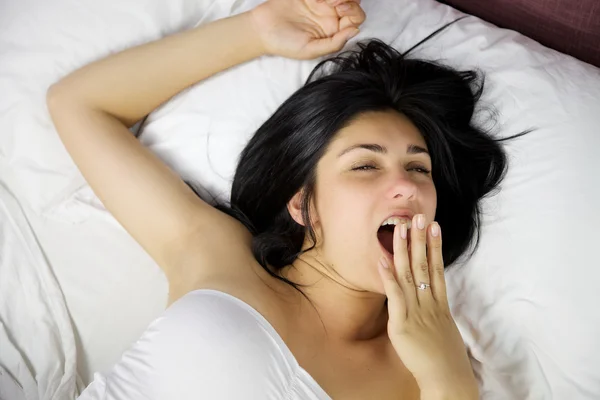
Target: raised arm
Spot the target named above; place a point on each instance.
(129, 85)
(92, 108)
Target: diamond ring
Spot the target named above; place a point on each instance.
(423, 286)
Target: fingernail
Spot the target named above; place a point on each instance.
(435, 229)
(421, 221)
(403, 231)
(384, 263)
(343, 7)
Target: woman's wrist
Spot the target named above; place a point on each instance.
(249, 32)
(230, 41)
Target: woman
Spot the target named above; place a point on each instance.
(325, 275)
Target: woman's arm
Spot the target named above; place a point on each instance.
(92, 108)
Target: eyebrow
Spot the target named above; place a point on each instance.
(410, 149)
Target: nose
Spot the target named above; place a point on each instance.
(403, 187)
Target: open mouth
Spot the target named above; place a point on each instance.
(385, 235)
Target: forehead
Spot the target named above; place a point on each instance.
(390, 128)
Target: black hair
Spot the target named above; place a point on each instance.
(281, 158)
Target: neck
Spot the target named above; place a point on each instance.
(347, 314)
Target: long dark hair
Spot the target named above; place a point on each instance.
(281, 158)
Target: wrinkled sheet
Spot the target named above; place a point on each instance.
(37, 345)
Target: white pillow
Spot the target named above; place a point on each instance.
(40, 42)
(526, 303)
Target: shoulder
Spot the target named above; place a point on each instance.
(208, 344)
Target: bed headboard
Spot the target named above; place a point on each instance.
(569, 26)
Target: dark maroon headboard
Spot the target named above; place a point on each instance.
(569, 26)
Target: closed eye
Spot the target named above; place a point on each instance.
(421, 170)
(363, 168)
(368, 167)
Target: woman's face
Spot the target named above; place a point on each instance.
(374, 168)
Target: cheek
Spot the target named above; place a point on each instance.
(429, 199)
(340, 209)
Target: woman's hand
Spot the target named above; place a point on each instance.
(306, 29)
(420, 325)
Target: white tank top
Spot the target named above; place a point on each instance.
(207, 345)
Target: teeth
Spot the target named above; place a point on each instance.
(396, 221)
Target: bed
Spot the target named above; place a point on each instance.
(76, 290)
(572, 27)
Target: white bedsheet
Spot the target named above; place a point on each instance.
(112, 288)
(37, 345)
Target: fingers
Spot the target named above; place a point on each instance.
(396, 299)
(436, 264)
(333, 44)
(402, 265)
(349, 11)
(351, 14)
(335, 3)
(418, 257)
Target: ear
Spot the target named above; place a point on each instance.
(294, 207)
